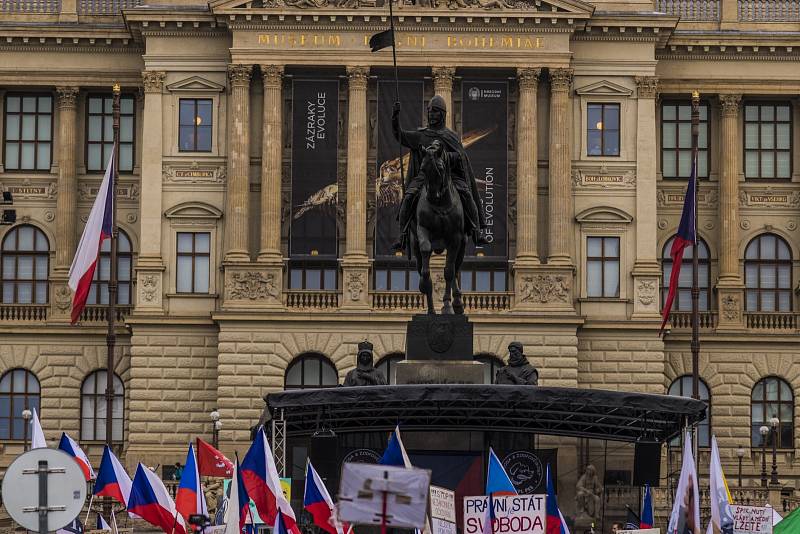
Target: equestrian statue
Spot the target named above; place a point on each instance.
(440, 207)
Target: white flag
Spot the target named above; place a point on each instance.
(721, 514)
(685, 516)
(37, 435)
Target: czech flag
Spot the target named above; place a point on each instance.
(189, 500)
(497, 484)
(319, 504)
(211, 462)
(68, 445)
(101, 523)
(238, 505)
(555, 520)
(112, 480)
(395, 453)
(151, 501)
(37, 434)
(646, 520)
(687, 235)
(280, 525)
(261, 480)
(98, 228)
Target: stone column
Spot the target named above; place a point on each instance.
(729, 286)
(560, 185)
(150, 265)
(646, 271)
(237, 201)
(355, 263)
(443, 86)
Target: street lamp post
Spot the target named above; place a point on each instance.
(216, 424)
(26, 414)
(764, 430)
(740, 452)
(774, 422)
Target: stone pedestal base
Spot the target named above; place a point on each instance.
(439, 337)
(544, 288)
(253, 285)
(438, 372)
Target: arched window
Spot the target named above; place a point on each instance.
(768, 274)
(682, 387)
(25, 267)
(311, 370)
(491, 364)
(93, 407)
(772, 397)
(386, 365)
(683, 297)
(98, 294)
(19, 390)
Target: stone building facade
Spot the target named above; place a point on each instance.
(597, 152)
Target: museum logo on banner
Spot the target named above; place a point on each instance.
(526, 469)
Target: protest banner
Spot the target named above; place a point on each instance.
(443, 510)
(515, 514)
(751, 519)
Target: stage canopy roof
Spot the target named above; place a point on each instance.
(586, 413)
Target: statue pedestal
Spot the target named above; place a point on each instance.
(439, 372)
(439, 337)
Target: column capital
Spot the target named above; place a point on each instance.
(153, 81)
(560, 79)
(272, 75)
(528, 77)
(730, 104)
(239, 75)
(358, 76)
(443, 75)
(647, 86)
(67, 97)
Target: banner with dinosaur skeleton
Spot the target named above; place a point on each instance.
(388, 182)
(485, 137)
(315, 135)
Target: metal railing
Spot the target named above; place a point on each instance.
(489, 301)
(30, 6)
(774, 321)
(682, 320)
(306, 299)
(769, 10)
(23, 312)
(690, 10)
(105, 7)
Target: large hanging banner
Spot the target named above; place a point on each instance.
(315, 135)
(389, 181)
(485, 137)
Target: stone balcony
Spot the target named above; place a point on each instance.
(39, 313)
(757, 11)
(773, 322)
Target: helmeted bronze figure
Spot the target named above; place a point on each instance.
(365, 373)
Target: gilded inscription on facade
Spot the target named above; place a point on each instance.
(409, 41)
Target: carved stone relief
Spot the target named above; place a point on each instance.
(355, 285)
(646, 291)
(545, 288)
(251, 285)
(730, 307)
(149, 287)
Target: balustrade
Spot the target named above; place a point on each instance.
(683, 320)
(30, 6)
(92, 314)
(694, 10)
(305, 299)
(23, 312)
(771, 321)
(105, 7)
(490, 301)
(769, 10)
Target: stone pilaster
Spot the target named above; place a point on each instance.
(443, 86)
(729, 286)
(646, 271)
(355, 263)
(150, 265)
(237, 201)
(560, 185)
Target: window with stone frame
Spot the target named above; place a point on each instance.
(94, 407)
(603, 129)
(193, 260)
(676, 140)
(398, 275)
(98, 293)
(386, 365)
(19, 390)
(195, 116)
(313, 275)
(311, 370)
(682, 387)
(602, 267)
(28, 135)
(683, 297)
(768, 274)
(772, 397)
(767, 140)
(100, 132)
(25, 266)
(483, 277)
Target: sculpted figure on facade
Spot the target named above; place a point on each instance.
(365, 373)
(587, 493)
(518, 372)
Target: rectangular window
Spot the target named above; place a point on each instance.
(602, 135)
(312, 276)
(28, 132)
(483, 280)
(100, 132)
(768, 141)
(194, 125)
(193, 262)
(395, 278)
(602, 267)
(676, 140)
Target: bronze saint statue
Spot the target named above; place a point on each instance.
(365, 373)
(518, 371)
(587, 493)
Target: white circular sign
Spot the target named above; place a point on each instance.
(66, 489)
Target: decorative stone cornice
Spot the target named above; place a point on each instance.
(443, 76)
(67, 97)
(647, 86)
(560, 79)
(528, 78)
(730, 104)
(153, 81)
(358, 77)
(239, 75)
(272, 75)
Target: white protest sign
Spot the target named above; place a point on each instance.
(440, 526)
(751, 519)
(514, 514)
(443, 504)
(640, 531)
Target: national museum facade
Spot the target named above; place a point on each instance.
(259, 179)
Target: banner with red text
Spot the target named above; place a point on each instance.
(515, 514)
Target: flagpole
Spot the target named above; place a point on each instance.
(397, 94)
(695, 344)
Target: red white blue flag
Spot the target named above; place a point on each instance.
(112, 479)
(189, 500)
(686, 236)
(319, 504)
(68, 445)
(98, 228)
(646, 520)
(151, 501)
(556, 524)
(238, 505)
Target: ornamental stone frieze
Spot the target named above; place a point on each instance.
(32, 190)
(769, 198)
(603, 178)
(435, 5)
(672, 197)
(252, 286)
(153, 81)
(194, 174)
(544, 288)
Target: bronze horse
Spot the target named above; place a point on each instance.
(439, 227)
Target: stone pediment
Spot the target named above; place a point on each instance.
(603, 214)
(542, 8)
(193, 210)
(195, 84)
(604, 88)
